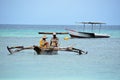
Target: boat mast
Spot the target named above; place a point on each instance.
(92, 27)
(84, 27)
(100, 28)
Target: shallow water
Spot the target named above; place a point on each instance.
(101, 62)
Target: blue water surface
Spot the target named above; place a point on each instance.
(32, 30)
(101, 63)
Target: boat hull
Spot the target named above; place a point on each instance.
(50, 52)
(81, 35)
(40, 51)
(88, 35)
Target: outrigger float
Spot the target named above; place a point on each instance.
(48, 51)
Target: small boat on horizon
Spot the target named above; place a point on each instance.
(76, 34)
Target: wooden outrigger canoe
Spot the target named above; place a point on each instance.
(48, 51)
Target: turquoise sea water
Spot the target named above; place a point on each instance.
(32, 30)
(101, 62)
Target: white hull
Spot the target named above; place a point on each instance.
(87, 35)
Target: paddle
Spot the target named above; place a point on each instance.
(71, 30)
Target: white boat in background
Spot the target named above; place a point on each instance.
(75, 34)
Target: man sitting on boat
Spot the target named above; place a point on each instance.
(43, 43)
(54, 41)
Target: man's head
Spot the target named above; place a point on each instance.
(54, 35)
(44, 37)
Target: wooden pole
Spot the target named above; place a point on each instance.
(84, 28)
(92, 27)
(99, 28)
(52, 32)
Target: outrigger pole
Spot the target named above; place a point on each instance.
(52, 32)
(38, 50)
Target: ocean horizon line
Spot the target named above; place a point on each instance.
(59, 24)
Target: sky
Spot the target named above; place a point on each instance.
(59, 12)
